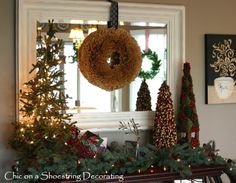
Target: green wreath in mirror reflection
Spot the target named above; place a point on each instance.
(156, 63)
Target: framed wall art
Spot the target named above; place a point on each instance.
(220, 59)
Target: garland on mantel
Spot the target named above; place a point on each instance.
(178, 158)
(122, 160)
(231, 170)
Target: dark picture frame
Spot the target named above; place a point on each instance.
(220, 68)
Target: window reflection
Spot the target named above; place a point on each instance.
(89, 97)
(93, 99)
(71, 75)
(156, 41)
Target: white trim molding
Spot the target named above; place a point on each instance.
(31, 11)
(109, 121)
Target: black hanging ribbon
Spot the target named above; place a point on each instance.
(114, 13)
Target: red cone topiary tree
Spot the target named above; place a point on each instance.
(187, 123)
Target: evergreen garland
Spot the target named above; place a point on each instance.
(178, 158)
(231, 170)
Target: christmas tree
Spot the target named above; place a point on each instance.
(44, 129)
(143, 102)
(187, 124)
(164, 134)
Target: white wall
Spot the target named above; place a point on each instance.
(7, 82)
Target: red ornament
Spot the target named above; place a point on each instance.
(92, 139)
(84, 151)
(191, 86)
(74, 136)
(183, 96)
(194, 129)
(72, 141)
(74, 132)
(88, 145)
(192, 104)
(195, 142)
(22, 138)
(182, 116)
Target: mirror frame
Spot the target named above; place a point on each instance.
(29, 11)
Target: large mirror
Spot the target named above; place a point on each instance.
(158, 27)
(83, 95)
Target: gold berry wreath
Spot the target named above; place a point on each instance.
(110, 58)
